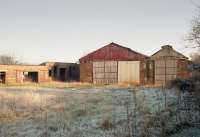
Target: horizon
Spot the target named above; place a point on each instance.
(64, 31)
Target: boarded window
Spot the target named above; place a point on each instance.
(2, 77)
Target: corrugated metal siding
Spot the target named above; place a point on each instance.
(98, 72)
(165, 70)
(105, 72)
(129, 71)
(111, 72)
(114, 52)
(147, 72)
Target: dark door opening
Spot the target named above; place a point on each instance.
(54, 71)
(70, 73)
(3, 77)
(73, 73)
(31, 76)
(62, 74)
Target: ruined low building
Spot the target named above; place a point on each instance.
(114, 63)
(10, 74)
(169, 64)
(61, 71)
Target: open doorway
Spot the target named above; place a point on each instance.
(2, 77)
(62, 74)
(31, 77)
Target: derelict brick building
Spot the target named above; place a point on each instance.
(114, 63)
(10, 74)
(61, 71)
(46, 72)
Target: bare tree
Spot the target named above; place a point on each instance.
(195, 57)
(194, 35)
(8, 60)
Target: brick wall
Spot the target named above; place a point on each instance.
(182, 68)
(14, 73)
(86, 72)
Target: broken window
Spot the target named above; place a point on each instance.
(2, 77)
(31, 76)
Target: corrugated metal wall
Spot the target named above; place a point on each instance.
(165, 70)
(112, 52)
(105, 72)
(98, 72)
(129, 71)
(111, 72)
(147, 72)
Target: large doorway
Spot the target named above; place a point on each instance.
(2, 77)
(129, 71)
(31, 77)
(165, 70)
(105, 72)
(62, 74)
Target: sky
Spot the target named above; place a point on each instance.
(36, 31)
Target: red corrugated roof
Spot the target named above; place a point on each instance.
(113, 51)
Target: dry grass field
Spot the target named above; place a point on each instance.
(96, 112)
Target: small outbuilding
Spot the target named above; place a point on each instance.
(114, 63)
(61, 71)
(169, 64)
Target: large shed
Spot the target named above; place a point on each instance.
(169, 64)
(113, 63)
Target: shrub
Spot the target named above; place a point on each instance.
(106, 124)
(191, 84)
(176, 83)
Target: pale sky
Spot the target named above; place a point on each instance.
(36, 31)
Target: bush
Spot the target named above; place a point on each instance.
(106, 124)
(180, 84)
(191, 84)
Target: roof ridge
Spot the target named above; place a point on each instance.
(172, 50)
(117, 45)
(129, 49)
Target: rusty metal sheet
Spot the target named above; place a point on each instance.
(114, 52)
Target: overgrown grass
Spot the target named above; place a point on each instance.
(88, 112)
(53, 84)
